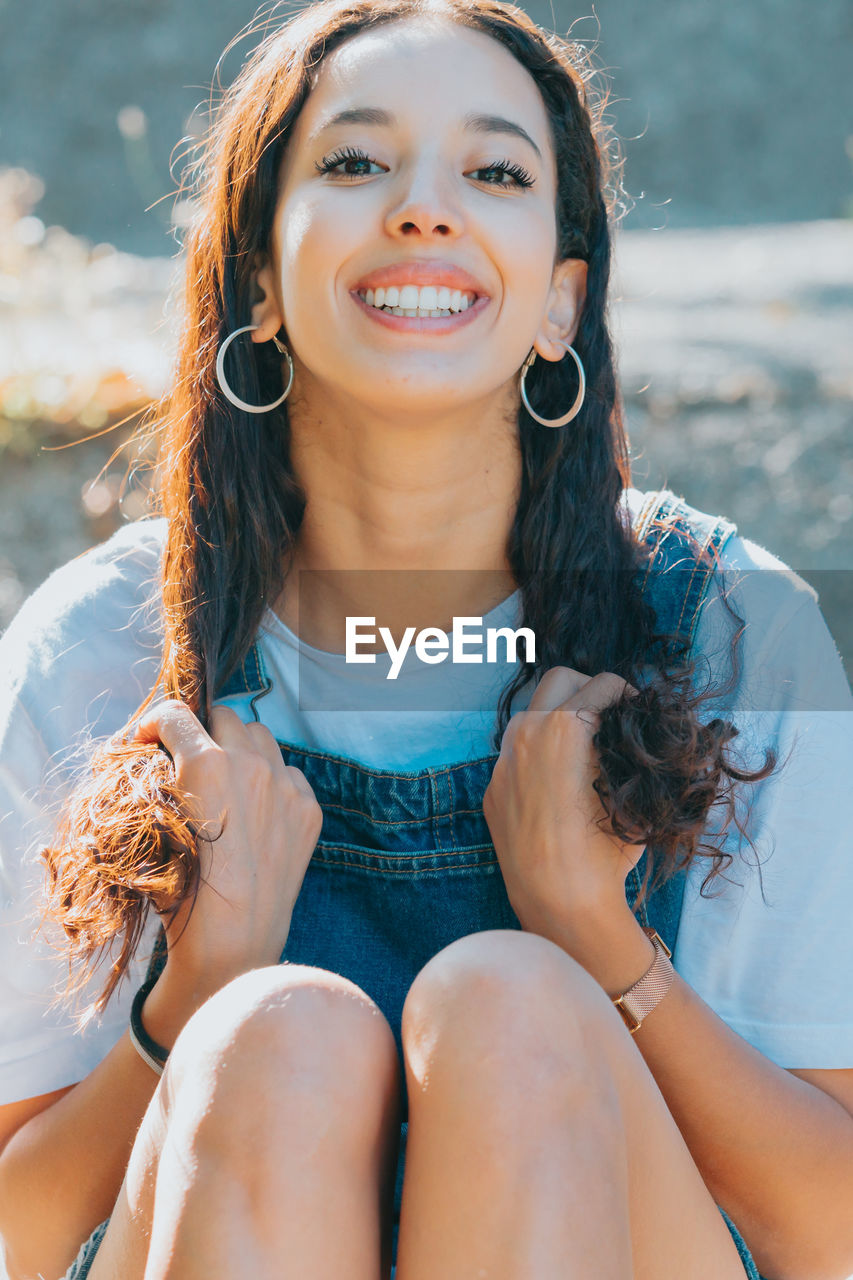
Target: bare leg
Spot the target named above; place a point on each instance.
(540, 1147)
(270, 1145)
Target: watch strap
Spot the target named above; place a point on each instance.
(637, 1002)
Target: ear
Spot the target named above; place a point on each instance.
(566, 299)
(266, 311)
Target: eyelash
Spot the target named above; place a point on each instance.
(519, 175)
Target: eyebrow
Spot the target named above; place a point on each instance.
(477, 122)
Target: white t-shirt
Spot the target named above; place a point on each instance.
(84, 650)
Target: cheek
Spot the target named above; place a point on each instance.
(316, 240)
(300, 248)
(530, 255)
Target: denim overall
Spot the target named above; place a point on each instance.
(405, 864)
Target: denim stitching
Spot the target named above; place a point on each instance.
(418, 775)
(422, 871)
(703, 547)
(445, 774)
(329, 846)
(720, 534)
(435, 809)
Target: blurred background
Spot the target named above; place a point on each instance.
(733, 299)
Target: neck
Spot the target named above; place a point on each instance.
(407, 521)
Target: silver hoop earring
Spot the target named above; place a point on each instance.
(576, 407)
(226, 390)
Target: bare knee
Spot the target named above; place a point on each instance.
(511, 1005)
(282, 1044)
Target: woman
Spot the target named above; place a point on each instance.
(404, 474)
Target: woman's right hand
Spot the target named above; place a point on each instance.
(235, 779)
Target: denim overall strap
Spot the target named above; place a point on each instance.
(683, 548)
(249, 677)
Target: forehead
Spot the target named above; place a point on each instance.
(413, 64)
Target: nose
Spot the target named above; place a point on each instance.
(427, 207)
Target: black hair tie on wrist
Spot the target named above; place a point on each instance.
(149, 1050)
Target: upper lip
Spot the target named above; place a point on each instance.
(424, 272)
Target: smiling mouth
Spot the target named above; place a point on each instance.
(429, 302)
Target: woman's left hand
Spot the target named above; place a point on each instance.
(563, 870)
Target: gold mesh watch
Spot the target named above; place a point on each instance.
(638, 1001)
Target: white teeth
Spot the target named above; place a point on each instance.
(426, 301)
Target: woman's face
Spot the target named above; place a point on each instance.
(442, 177)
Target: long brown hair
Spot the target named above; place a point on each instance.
(234, 506)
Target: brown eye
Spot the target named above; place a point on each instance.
(349, 156)
(519, 175)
